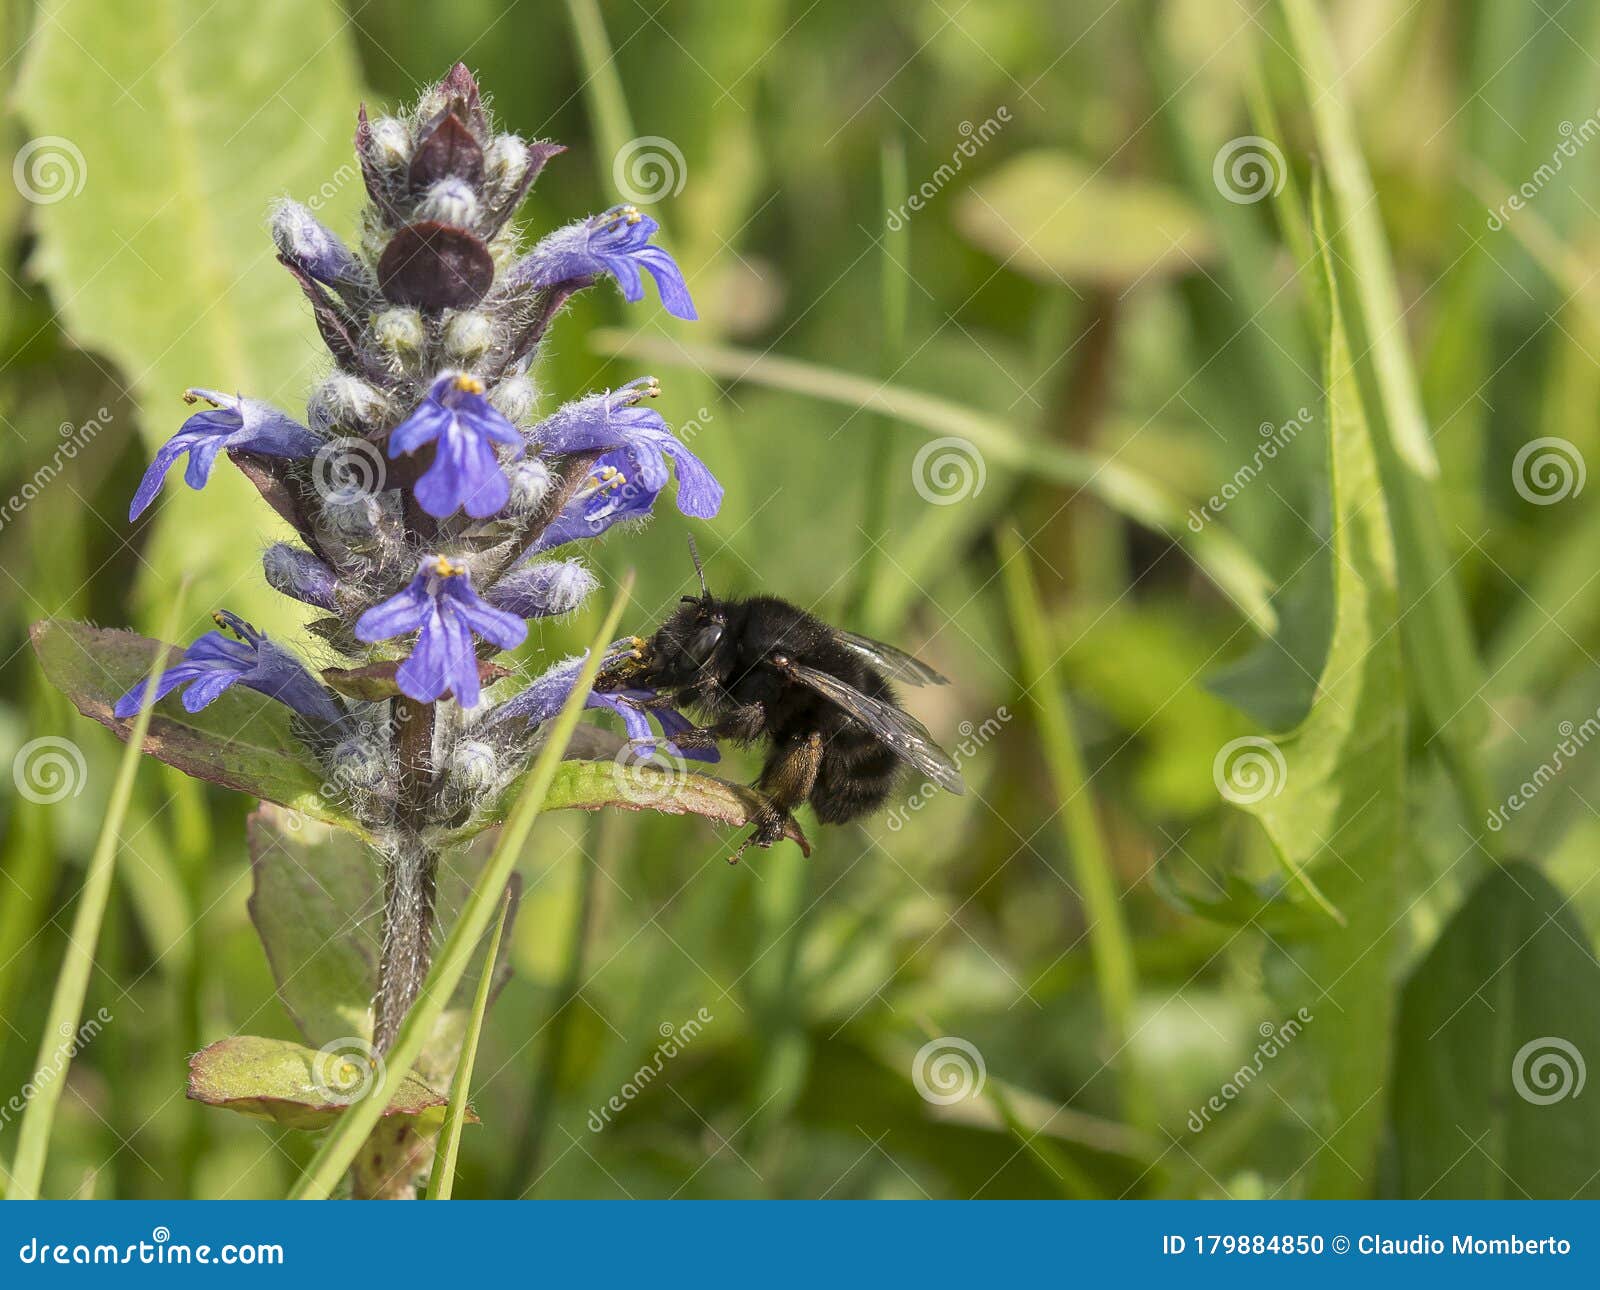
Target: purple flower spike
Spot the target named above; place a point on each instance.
(612, 495)
(235, 422)
(216, 662)
(617, 242)
(464, 427)
(544, 697)
(614, 420)
(441, 602)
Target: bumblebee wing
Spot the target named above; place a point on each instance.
(902, 733)
(896, 663)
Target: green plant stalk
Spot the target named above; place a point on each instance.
(72, 986)
(1224, 560)
(1441, 655)
(442, 1181)
(602, 85)
(1116, 977)
(347, 1135)
(892, 288)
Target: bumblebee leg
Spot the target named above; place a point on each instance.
(786, 780)
(742, 725)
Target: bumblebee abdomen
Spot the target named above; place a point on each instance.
(857, 775)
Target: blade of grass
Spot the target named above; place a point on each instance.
(892, 282)
(72, 985)
(1441, 654)
(1127, 492)
(1357, 202)
(348, 1134)
(443, 1179)
(602, 85)
(1115, 976)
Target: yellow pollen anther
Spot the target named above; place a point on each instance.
(218, 619)
(631, 214)
(469, 384)
(445, 569)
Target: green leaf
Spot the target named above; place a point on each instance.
(191, 118)
(243, 741)
(1331, 798)
(300, 1087)
(317, 904)
(1492, 1035)
(1056, 218)
(1444, 668)
(587, 785)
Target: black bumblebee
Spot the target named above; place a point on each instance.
(761, 668)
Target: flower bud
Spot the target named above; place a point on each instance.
(391, 143)
(530, 482)
(399, 333)
(474, 766)
(505, 162)
(513, 396)
(544, 590)
(307, 243)
(467, 336)
(357, 762)
(450, 201)
(344, 402)
(300, 575)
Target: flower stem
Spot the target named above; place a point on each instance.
(410, 873)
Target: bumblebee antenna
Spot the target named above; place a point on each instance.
(694, 554)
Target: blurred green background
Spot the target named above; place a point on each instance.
(1108, 324)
